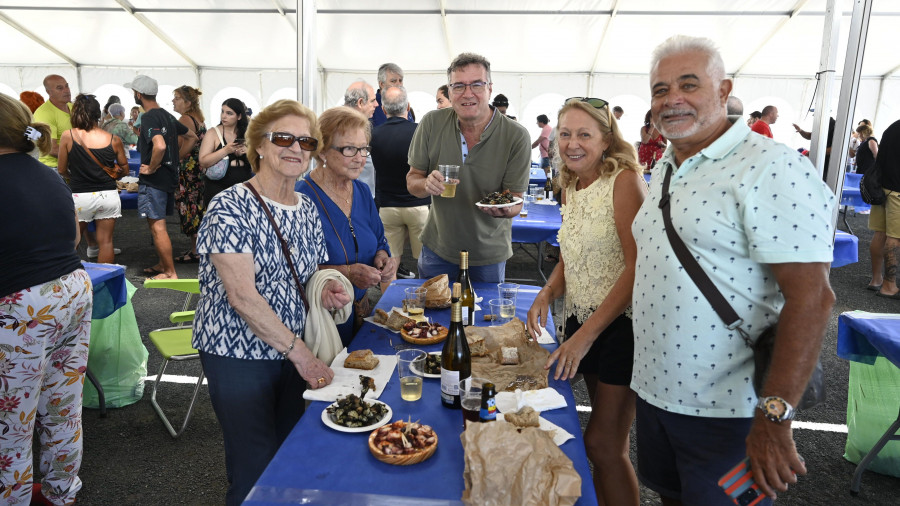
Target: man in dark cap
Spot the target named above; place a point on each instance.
(501, 103)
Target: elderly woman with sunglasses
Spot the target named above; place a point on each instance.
(251, 315)
(602, 192)
(354, 234)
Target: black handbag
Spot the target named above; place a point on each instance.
(870, 188)
(765, 343)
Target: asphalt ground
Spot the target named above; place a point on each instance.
(129, 457)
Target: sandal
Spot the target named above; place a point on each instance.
(189, 257)
(151, 271)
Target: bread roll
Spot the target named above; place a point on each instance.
(509, 355)
(361, 359)
(525, 417)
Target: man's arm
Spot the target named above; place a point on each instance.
(156, 156)
(801, 326)
(421, 186)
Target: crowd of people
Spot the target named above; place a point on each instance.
(294, 216)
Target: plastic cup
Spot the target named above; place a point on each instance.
(508, 291)
(410, 367)
(470, 398)
(502, 311)
(529, 201)
(451, 179)
(415, 301)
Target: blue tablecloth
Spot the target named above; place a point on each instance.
(863, 336)
(129, 200)
(541, 224)
(110, 292)
(538, 177)
(850, 195)
(647, 177)
(333, 467)
(846, 249)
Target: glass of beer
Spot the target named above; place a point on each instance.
(529, 201)
(451, 179)
(470, 398)
(410, 367)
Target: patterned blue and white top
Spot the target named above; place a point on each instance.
(235, 223)
(741, 203)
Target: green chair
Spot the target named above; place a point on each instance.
(174, 343)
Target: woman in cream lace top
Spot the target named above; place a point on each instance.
(602, 192)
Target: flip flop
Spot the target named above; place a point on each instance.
(151, 271)
(895, 296)
(874, 288)
(160, 278)
(188, 257)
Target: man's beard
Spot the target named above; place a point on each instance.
(684, 132)
(137, 100)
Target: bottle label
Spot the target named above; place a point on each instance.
(449, 384)
(490, 412)
(465, 315)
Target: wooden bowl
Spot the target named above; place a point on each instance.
(430, 340)
(402, 460)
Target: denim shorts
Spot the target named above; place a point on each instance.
(154, 204)
(682, 457)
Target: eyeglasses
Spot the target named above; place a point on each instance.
(460, 88)
(596, 103)
(286, 140)
(350, 151)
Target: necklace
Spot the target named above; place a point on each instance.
(347, 200)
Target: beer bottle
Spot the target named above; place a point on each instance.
(488, 403)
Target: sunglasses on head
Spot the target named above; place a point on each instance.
(286, 140)
(596, 103)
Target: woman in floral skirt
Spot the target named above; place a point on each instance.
(189, 197)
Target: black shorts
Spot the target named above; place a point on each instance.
(611, 357)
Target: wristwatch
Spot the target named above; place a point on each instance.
(776, 409)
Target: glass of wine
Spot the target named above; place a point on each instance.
(451, 179)
(415, 302)
(410, 367)
(502, 311)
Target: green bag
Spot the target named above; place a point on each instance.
(117, 357)
(872, 408)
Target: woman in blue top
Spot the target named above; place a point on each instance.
(354, 234)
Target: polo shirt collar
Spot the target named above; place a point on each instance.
(726, 143)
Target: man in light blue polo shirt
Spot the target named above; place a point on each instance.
(757, 218)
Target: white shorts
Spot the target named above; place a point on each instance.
(100, 205)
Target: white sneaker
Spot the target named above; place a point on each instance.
(95, 252)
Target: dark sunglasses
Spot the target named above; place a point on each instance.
(596, 103)
(286, 140)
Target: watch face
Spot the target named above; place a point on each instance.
(775, 407)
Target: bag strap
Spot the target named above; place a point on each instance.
(285, 250)
(697, 274)
(221, 139)
(91, 154)
(307, 180)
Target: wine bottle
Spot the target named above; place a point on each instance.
(467, 299)
(456, 360)
(548, 188)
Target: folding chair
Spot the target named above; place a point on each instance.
(174, 343)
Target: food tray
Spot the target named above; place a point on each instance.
(431, 340)
(402, 460)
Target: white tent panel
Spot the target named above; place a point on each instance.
(19, 49)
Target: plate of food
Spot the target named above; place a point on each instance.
(497, 200)
(352, 414)
(403, 443)
(432, 365)
(423, 332)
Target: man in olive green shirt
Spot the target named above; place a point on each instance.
(494, 154)
(55, 112)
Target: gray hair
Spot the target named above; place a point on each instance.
(116, 109)
(677, 44)
(466, 59)
(354, 92)
(388, 67)
(394, 102)
(734, 106)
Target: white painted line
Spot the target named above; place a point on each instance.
(796, 424)
(174, 378)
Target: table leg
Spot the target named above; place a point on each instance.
(540, 261)
(889, 435)
(844, 213)
(99, 388)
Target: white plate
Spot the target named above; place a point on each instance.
(326, 419)
(438, 375)
(516, 201)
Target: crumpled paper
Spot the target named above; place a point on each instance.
(508, 467)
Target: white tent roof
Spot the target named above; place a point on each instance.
(541, 50)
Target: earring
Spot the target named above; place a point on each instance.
(260, 157)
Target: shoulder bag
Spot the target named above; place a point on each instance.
(115, 172)
(765, 343)
(285, 249)
(870, 188)
(217, 170)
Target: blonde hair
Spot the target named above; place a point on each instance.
(619, 154)
(259, 126)
(15, 117)
(864, 131)
(339, 121)
(192, 97)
